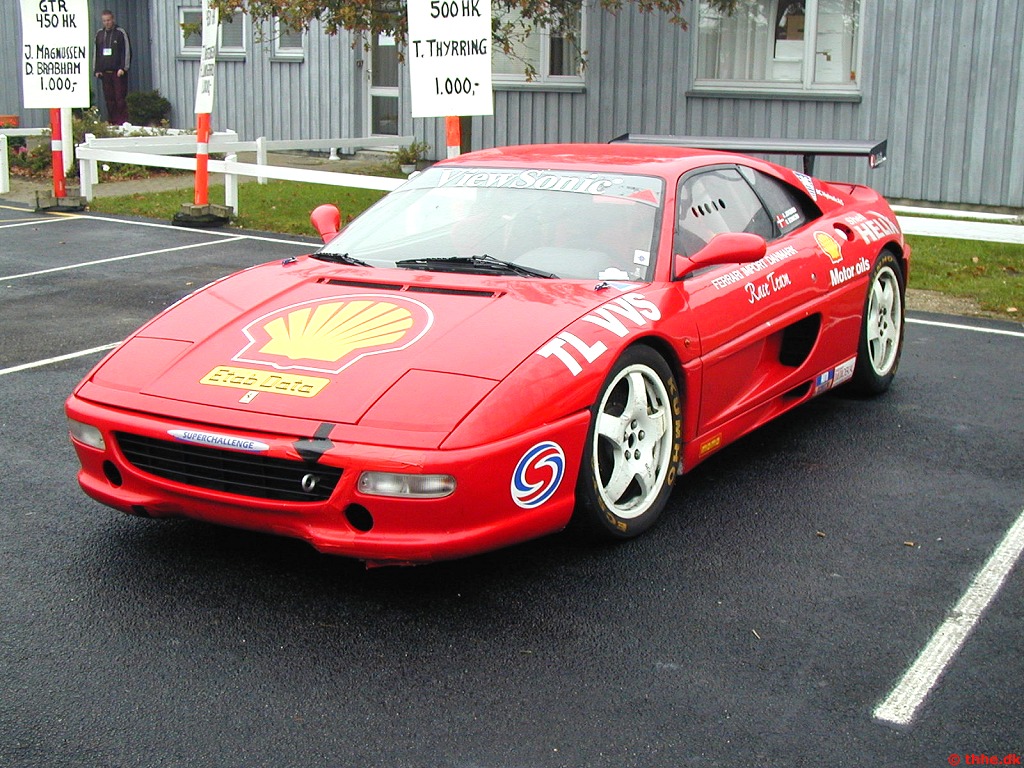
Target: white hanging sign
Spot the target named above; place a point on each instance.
(54, 55)
(208, 62)
(450, 57)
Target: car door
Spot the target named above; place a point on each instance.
(755, 320)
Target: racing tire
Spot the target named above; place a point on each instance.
(881, 332)
(633, 448)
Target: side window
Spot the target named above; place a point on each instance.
(714, 202)
(788, 207)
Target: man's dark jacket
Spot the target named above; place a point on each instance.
(120, 57)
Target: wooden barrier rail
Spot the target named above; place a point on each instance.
(165, 151)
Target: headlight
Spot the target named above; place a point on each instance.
(415, 486)
(87, 435)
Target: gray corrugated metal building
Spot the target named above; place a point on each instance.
(941, 81)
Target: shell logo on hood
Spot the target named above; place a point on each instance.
(328, 335)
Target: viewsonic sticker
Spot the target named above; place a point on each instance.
(538, 475)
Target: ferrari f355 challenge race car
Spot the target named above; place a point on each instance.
(512, 338)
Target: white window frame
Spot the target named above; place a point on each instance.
(233, 51)
(184, 49)
(286, 53)
(543, 79)
(806, 88)
(224, 53)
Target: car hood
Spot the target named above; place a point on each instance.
(391, 349)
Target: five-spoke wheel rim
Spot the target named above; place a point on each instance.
(884, 321)
(632, 443)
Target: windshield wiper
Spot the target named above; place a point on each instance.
(340, 258)
(479, 264)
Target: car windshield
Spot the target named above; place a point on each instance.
(573, 225)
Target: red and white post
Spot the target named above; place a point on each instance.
(453, 135)
(57, 154)
(202, 185)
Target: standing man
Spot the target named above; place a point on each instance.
(113, 57)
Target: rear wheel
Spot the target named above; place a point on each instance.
(633, 447)
(881, 334)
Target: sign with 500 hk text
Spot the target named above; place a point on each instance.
(450, 57)
(55, 53)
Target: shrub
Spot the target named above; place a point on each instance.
(148, 108)
(412, 153)
(29, 162)
(85, 121)
(37, 161)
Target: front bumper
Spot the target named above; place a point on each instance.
(480, 515)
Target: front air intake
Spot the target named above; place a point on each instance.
(243, 474)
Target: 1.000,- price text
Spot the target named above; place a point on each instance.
(452, 86)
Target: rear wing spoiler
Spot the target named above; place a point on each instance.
(874, 151)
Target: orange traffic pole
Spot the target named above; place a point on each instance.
(57, 154)
(453, 135)
(202, 193)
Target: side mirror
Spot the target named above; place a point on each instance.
(326, 220)
(725, 248)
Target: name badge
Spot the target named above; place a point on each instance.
(108, 51)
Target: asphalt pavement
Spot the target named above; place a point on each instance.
(794, 580)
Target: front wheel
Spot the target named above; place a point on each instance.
(881, 334)
(633, 447)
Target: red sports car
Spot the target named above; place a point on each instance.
(512, 338)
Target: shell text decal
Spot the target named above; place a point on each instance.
(264, 381)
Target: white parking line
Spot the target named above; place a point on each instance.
(958, 327)
(900, 706)
(58, 359)
(35, 222)
(51, 217)
(115, 258)
(233, 235)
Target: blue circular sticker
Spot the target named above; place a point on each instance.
(538, 475)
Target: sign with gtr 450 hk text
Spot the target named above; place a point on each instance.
(449, 57)
(54, 55)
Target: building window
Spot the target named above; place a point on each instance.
(230, 39)
(287, 42)
(543, 57)
(190, 25)
(779, 46)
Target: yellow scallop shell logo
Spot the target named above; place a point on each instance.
(328, 335)
(828, 244)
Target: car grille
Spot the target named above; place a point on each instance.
(245, 474)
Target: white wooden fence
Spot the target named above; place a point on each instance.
(177, 150)
(174, 151)
(5, 171)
